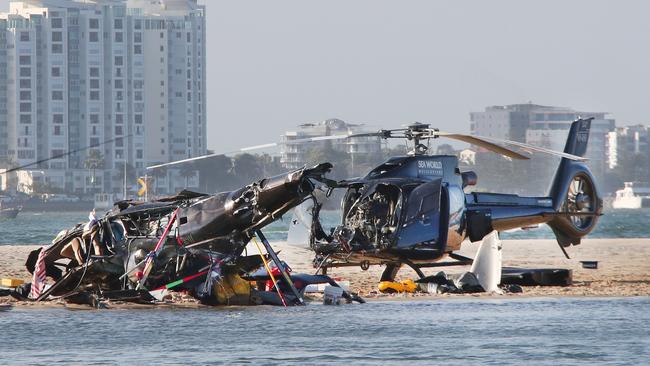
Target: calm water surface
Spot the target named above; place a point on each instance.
(451, 332)
(41, 228)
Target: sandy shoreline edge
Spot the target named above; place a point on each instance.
(623, 270)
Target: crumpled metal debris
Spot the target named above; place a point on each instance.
(190, 244)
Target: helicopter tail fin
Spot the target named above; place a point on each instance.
(574, 193)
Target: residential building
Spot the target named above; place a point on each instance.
(627, 141)
(79, 73)
(549, 128)
(545, 126)
(294, 155)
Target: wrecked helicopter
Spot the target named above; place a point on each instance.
(416, 210)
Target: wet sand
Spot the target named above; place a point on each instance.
(623, 268)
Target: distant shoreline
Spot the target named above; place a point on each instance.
(37, 206)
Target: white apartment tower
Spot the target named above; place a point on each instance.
(79, 73)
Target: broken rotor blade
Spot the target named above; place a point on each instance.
(252, 148)
(63, 155)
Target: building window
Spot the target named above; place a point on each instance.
(57, 23)
(93, 23)
(119, 37)
(94, 71)
(94, 95)
(139, 154)
(94, 83)
(118, 130)
(119, 60)
(94, 118)
(162, 48)
(24, 36)
(57, 95)
(137, 95)
(25, 95)
(138, 119)
(119, 119)
(119, 142)
(137, 49)
(137, 37)
(117, 23)
(25, 107)
(57, 37)
(94, 141)
(57, 48)
(25, 72)
(56, 72)
(26, 118)
(162, 35)
(25, 60)
(93, 37)
(25, 83)
(57, 118)
(57, 130)
(119, 84)
(138, 24)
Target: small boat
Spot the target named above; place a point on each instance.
(10, 212)
(632, 197)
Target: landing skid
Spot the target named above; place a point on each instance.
(390, 272)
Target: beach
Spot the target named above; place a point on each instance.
(623, 267)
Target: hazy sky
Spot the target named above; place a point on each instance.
(275, 64)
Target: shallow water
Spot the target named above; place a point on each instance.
(451, 331)
(41, 228)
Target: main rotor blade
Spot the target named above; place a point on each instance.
(479, 141)
(540, 149)
(59, 156)
(483, 141)
(252, 148)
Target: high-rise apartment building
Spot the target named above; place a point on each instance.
(79, 73)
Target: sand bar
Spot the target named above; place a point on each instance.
(623, 267)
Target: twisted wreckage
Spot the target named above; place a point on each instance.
(191, 241)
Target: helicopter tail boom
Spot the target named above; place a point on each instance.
(574, 191)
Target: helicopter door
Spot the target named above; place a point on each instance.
(421, 220)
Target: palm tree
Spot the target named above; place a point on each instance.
(246, 168)
(160, 172)
(94, 160)
(187, 170)
(131, 174)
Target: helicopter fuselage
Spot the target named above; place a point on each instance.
(415, 209)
